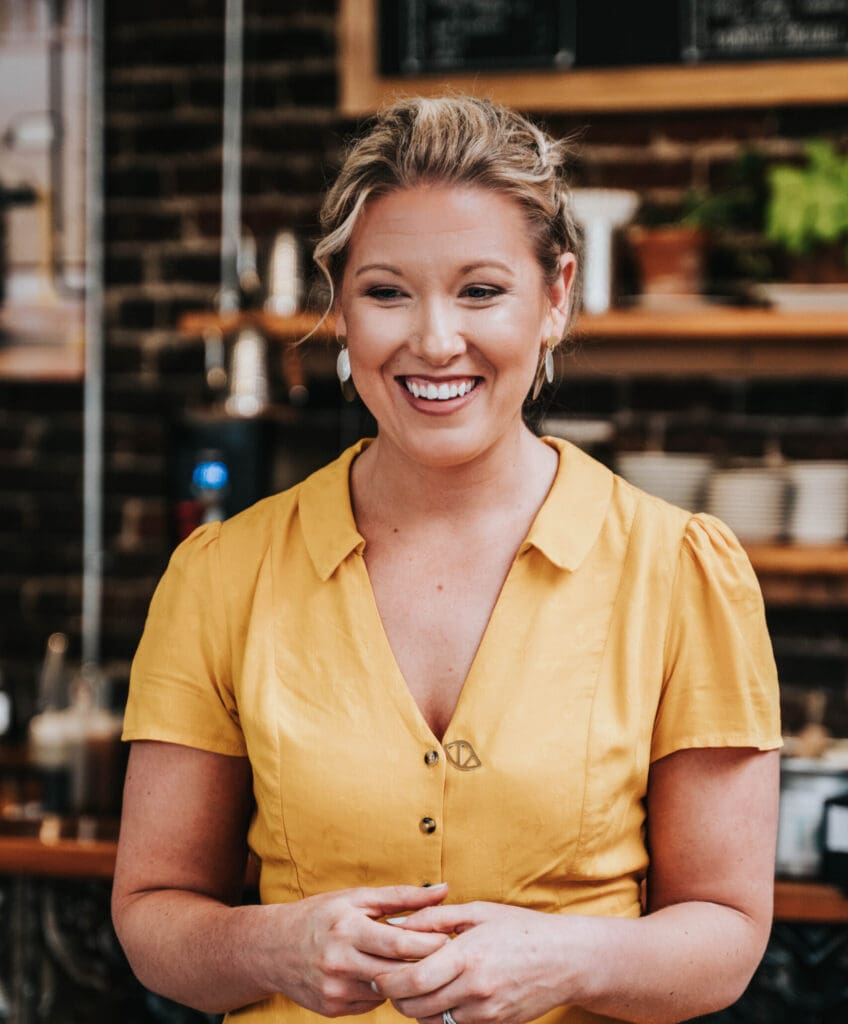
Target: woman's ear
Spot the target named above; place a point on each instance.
(339, 322)
(560, 295)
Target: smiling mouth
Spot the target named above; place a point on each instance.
(430, 391)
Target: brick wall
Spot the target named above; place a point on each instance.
(164, 91)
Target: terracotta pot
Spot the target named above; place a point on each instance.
(670, 260)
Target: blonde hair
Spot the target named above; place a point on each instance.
(457, 140)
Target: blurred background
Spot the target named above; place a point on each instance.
(161, 170)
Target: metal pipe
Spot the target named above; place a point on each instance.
(92, 544)
(58, 138)
(231, 157)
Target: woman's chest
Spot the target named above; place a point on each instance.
(434, 609)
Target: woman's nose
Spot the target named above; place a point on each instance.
(437, 336)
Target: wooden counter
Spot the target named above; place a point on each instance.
(64, 858)
(72, 858)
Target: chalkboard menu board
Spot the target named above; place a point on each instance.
(419, 36)
(745, 29)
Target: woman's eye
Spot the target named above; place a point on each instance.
(384, 293)
(481, 291)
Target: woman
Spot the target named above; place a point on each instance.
(455, 685)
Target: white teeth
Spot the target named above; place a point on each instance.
(439, 392)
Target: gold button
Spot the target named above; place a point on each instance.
(431, 757)
(427, 826)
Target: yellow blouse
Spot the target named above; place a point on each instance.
(626, 629)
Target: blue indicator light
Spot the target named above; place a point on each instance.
(210, 476)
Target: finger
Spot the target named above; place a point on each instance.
(467, 1012)
(430, 1008)
(356, 991)
(398, 943)
(365, 1006)
(449, 920)
(364, 995)
(391, 899)
(412, 981)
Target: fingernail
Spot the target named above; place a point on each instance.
(395, 920)
(438, 885)
(374, 987)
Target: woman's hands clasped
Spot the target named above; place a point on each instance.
(486, 962)
(333, 946)
(506, 964)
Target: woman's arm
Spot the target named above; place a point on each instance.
(712, 828)
(713, 821)
(178, 880)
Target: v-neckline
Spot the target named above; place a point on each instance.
(401, 692)
(404, 697)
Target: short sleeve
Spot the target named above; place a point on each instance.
(180, 682)
(720, 682)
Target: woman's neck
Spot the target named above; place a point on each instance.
(513, 475)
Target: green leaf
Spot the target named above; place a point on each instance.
(808, 206)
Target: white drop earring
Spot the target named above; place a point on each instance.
(545, 370)
(343, 371)
(343, 363)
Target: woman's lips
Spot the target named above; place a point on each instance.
(439, 390)
(438, 395)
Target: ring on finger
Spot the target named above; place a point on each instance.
(447, 1017)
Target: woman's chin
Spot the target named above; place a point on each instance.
(444, 449)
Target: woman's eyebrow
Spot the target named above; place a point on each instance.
(485, 264)
(378, 266)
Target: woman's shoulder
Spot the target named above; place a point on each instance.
(254, 526)
(272, 519)
(242, 538)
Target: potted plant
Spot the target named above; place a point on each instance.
(669, 245)
(712, 240)
(807, 214)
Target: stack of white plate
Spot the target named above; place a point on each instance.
(751, 501)
(819, 510)
(678, 478)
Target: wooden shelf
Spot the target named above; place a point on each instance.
(285, 328)
(65, 858)
(42, 341)
(700, 340)
(709, 340)
(705, 86)
(694, 322)
(46, 363)
(714, 322)
(801, 575)
(811, 902)
(799, 560)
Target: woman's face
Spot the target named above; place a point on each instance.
(445, 310)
